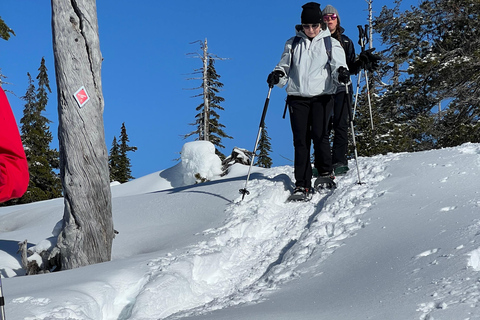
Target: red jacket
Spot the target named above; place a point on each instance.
(14, 175)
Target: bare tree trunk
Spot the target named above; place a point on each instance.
(206, 98)
(87, 233)
(370, 24)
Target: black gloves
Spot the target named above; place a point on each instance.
(368, 60)
(274, 77)
(343, 75)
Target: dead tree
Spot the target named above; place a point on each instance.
(87, 233)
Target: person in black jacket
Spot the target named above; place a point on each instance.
(340, 111)
(365, 60)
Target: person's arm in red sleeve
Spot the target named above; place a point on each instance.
(14, 175)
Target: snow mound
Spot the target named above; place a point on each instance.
(199, 161)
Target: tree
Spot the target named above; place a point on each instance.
(5, 31)
(264, 149)
(36, 137)
(120, 167)
(87, 232)
(1, 78)
(113, 160)
(432, 56)
(207, 119)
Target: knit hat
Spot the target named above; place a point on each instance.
(311, 13)
(331, 10)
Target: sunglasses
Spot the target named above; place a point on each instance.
(330, 17)
(312, 26)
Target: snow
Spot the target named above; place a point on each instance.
(402, 245)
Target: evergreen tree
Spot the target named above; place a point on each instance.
(52, 155)
(432, 56)
(1, 79)
(264, 149)
(119, 163)
(207, 122)
(36, 137)
(113, 160)
(5, 31)
(215, 127)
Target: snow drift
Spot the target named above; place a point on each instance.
(402, 245)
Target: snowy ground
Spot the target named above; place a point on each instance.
(402, 245)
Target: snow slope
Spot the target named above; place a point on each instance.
(402, 245)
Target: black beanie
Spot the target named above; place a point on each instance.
(311, 13)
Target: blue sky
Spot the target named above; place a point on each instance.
(146, 65)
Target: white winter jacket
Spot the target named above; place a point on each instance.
(309, 76)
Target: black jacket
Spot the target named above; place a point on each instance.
(349, 48)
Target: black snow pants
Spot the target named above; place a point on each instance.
(310, 119)
(340, 128)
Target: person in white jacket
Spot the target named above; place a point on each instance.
(311, 72)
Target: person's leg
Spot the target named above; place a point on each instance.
(322, 109)
(299, 120)
(340, 129)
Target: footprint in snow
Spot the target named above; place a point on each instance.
(426, 253)
(445, 209)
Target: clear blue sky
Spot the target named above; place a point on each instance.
(145, 46)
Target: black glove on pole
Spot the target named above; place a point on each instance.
(369, 60)
(274, 77)
(343, 75)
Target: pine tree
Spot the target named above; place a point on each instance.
(113, 160)
(52, 155)
(5, 31)
(1, 79)
(36, 137)
(215, 127)
(432, 56)
(264, 149)
(207, 119)
(120, 167)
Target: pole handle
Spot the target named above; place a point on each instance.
(265, 107)
(361, 35)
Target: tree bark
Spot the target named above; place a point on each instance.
(87, 233)
(206, 98)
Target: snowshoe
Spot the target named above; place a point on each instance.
(340, 169)
(325, 181)
(300, 194)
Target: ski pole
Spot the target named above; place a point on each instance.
(362, 41)
(2, 301)
(349, 107)
(244, 191)
(356, 94)
(368, 97)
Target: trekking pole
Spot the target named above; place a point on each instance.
(368, 97)
(362, 41)
(349, 107)
(356, 93)
(2, 301)
(367, 40)
(362, 46)
(244, 191)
